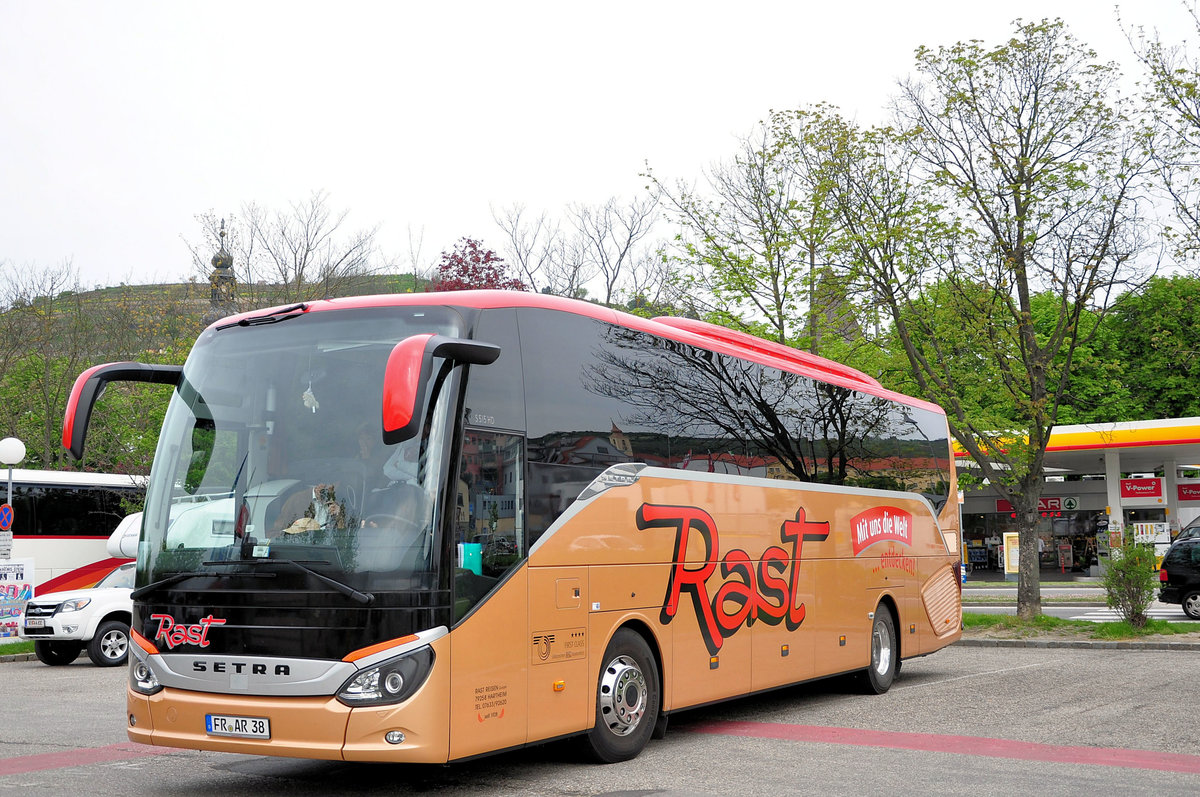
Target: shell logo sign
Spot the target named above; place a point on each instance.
(1141, 488)
(1189, 492)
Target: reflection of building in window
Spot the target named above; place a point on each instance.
(620, 441)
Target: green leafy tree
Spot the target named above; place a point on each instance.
(61, 330)
(1158, 330)
(47, 311)
(1015, 171)
(752, 247)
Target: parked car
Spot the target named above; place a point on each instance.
(1188, 532)
(62, 624)
(1179, 576)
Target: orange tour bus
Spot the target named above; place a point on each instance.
(429, 527)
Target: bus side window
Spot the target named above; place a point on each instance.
(489, 529)
(496, 392)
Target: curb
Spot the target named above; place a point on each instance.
(17, 657)
(1086, 644)
(1060, 605)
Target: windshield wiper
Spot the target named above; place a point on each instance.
(282, 314)
(141, 592)
(365, 598)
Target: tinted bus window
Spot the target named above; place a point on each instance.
(495, 393)
(599, 395)
(68, 510)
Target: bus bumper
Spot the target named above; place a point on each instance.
(300, 727)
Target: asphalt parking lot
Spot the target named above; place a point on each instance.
(967, 720)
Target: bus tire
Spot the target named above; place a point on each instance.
(110, 646)
(56, 654)
(627, 699)
(885, 654)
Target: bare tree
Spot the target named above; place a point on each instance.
(568, 270)
(652, 283)
(532, 243)
(1173, 74)
(547, 260)
(610, 236)
(292, 255)
(421, 270)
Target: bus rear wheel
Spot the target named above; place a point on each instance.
(627, 699)
(56, 654)
(885, 654)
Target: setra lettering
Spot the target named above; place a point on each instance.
(254, 668)
(769, 593)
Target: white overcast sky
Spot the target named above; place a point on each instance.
(121, 121)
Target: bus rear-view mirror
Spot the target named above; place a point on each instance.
(407, 374)
(90, 386)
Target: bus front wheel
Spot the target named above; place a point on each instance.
(627, 699)
(885, 654)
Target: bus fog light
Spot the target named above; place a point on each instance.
(394, 737)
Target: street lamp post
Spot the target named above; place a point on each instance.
(12, 451)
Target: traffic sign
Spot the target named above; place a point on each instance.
(6, 517)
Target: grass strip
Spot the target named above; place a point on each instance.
(1084, 629)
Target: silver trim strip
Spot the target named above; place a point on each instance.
(251, 675)
(270, 676)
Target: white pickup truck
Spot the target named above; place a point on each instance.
(61, 624)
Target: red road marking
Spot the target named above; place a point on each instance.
(961, 745)
(77, 758)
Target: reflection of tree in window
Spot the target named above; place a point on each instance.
(816, 431)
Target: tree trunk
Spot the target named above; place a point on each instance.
(1029, 588)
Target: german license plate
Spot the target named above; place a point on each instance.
(35, 622)
(245, 727)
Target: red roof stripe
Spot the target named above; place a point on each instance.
(820, 368)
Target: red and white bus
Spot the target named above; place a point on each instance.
(429, 527)
(62, 521)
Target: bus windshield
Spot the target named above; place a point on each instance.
(272, 452)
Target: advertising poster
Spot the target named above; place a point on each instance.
(16, 589)
(1012, 553)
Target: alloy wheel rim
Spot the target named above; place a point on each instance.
(623, 695)
(113, 645)
(881, 650)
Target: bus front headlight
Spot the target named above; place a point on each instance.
(141, 678)
(393, 681)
